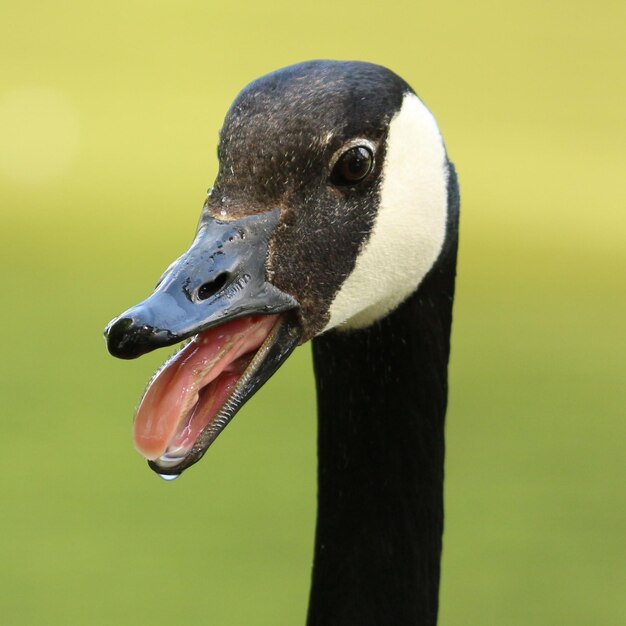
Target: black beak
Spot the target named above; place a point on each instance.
(221, 277)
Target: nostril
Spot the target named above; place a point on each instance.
(212, 287)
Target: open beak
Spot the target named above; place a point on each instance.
(241, 327)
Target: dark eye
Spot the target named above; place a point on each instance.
(352, 166)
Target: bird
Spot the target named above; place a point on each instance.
(333, 219)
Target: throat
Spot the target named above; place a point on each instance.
(382, 395)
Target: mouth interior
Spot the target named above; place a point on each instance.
(187, 392)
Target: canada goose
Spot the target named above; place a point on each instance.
(334, 217)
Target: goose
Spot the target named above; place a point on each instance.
(333, 218)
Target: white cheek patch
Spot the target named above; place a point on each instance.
(409, 229)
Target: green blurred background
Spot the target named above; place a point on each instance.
(109, 114)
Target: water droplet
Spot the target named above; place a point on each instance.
(168, 477)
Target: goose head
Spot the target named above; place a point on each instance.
(328, 210)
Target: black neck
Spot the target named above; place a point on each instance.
(382, 397)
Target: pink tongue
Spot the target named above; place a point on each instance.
(169, 417)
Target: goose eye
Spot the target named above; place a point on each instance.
(352, 166)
